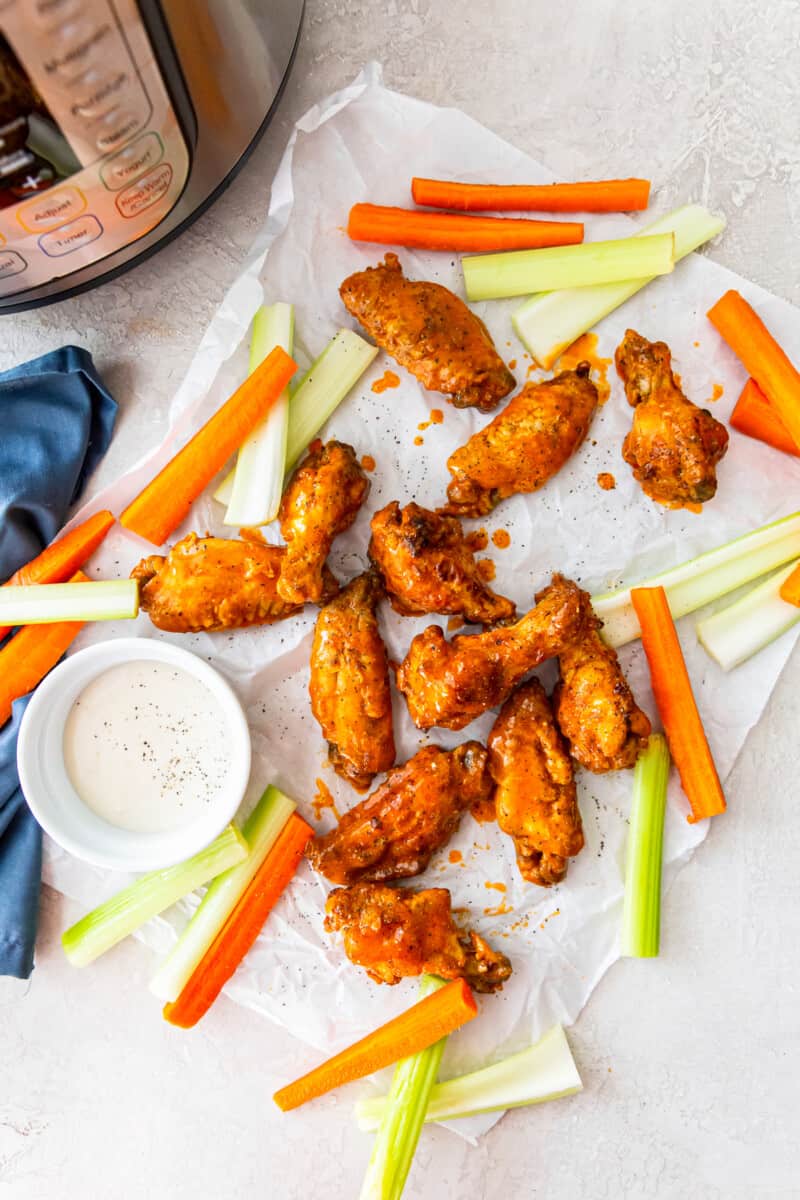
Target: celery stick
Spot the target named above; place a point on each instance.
(258, 476)
(43, 603)
(641, 911)
(522, 272)
(548, 324)
(692, 584)
(320, 391)
(739, 631)
(102, 928)
(260, 832)
(404, 1115)
(545, 1071)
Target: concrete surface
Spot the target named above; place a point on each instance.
(691, 1061)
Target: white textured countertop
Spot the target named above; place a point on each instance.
(690, 1062)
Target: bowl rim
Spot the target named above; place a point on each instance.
(163, 849)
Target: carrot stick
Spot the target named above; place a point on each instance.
(686, 737)
(790, 588)
(755, 417)
(418, 1027)
(607, 195)
(61, 558)
(749, 338)
(31, 653)
(451, 231)
(164, 503)
(242, 926)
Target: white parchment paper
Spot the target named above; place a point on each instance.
(364, 143)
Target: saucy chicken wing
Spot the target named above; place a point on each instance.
(212, 583)
(451, 683)
(428, 567)
(673, 445)
(594, 706)
(525, 444)
(430, 332)
(536, 799)
(321, 501)
(394, 833)
(397, 932)
(350, 694)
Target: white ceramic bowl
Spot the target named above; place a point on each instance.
(57, 806)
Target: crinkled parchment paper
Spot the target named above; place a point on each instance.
(364, 144)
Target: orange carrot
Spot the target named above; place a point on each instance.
(164, 503)
(755, 417)
(242, 926)
(31, 653)
(420, 1026)
(749, 338)
(63, 556)
(606, 195)
(672, 689)
(451, 231)
(790, 588)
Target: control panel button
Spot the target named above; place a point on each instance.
(99, 91)
(52, 209)
(116, 127)
(48, 14)
(71, 237)
(11, 263)
(132, 162)
(76, 46)
(147, 191)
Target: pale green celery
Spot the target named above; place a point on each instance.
(522, 272)
(545, 1071)
(737, 632)
(260, 832)
(404, 1116)
(319, 393)
(261, 463)
(102, 928)
(43, 603)
(641, 910)
(549, 323)
(693, 584)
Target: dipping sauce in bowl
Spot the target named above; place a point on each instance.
(144, 746)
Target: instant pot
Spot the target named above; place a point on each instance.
(120, 121)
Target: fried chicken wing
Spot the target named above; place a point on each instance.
(536, 799)
(451, 683)
(430, 332)
(321, 501)
(525, 444)
(350, 694)
(594, 706)
(397, 932)
(212, 583)
(673, 445)
(395, 832)
(428, 567)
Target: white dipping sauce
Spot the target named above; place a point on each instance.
(146, 746)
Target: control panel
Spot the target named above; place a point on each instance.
(91, 153)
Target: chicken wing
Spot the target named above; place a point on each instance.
(216, 583)
(451, 683)
(428, 567)
(536, 799)
(430, 332)
(594, 706)
(525, 444)
(397, 932)
(350, 694)
(321, 501)
(673, 445)
(395, 832)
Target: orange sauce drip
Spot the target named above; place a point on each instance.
(556, 912)
(512, 362)
(455, 623)
(487, 570)
(424, 425)
(607, 481)
(484, 810)
(584, 349)
(477, 540)
(695, 343)
(418, 441)
(496, 887)
(323, 799)
(437, 416)
(455, 856)
(387, 380)
(501, 539)
(368, 462)
(499, 911)
(717, 391)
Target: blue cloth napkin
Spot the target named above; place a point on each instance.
(57, 419)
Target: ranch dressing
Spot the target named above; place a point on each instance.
(146, 747)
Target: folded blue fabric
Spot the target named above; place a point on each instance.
(57, 419)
